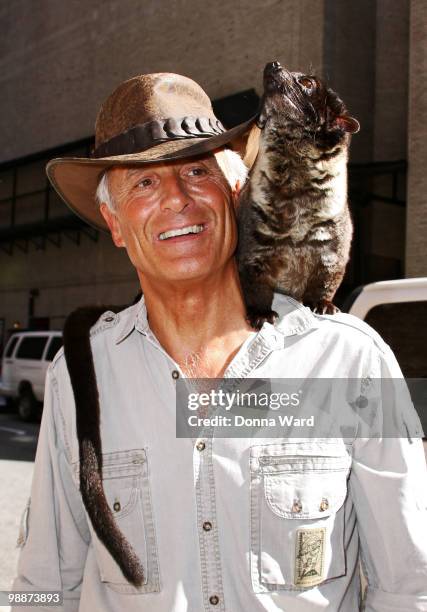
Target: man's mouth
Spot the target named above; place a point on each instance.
(182, 231)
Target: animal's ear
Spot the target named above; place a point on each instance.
(262, 117)
(347, 123)
(252, 146)
(261, 120)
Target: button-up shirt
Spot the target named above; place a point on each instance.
(228, 524)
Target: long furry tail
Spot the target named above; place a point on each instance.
(79, 358)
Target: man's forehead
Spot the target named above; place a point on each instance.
(127, 172)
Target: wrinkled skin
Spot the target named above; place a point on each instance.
(155, 198)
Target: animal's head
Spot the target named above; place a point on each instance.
(301, 108)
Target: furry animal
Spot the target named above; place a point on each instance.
(295, 227)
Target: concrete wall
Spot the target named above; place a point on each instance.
(389, 132)
(366, 47)
(416, 226)
(60, 61)
(390, 128)
(349, 66)
(66, 277)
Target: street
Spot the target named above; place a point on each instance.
(18, 443)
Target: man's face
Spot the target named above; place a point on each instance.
(155, 201)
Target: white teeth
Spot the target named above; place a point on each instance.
(191, 229)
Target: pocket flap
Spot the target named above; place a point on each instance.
(305, 495)
(120, 473)
(118, 464)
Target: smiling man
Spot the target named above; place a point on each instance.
(126, 516)
(177, 222)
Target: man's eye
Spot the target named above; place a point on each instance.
(197, 171)
(146, 182)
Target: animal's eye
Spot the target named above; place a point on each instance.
(307, 83)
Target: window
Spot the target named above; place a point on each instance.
(31, 347)
(54, 346)
(11, 346)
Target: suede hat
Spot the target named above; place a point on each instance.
(149, 118)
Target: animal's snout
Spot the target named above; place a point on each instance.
(273, 76)
(276, 78)
(272, 67)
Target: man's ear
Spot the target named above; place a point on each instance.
(113, 223)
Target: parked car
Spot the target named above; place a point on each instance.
(25, 360)
(397, 310)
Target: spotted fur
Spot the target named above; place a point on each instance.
(295, 227)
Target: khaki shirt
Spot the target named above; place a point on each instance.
(221, 523)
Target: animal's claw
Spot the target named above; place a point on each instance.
(257, 318)
(325, 307)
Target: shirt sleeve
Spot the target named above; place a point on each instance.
(388, 484)
(54, 533)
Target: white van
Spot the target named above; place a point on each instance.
(403, 291)
(397, 310)
(25, 360)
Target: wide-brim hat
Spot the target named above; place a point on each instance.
(149, 118)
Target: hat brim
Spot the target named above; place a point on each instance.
(76, 178)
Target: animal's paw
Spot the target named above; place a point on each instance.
(324, 307)
(257, 318)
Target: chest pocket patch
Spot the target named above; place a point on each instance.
(297, 516)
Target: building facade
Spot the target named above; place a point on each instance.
(60, 61)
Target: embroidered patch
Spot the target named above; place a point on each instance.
(309, 556)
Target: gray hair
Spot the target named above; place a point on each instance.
(230, 163)
(103, 192)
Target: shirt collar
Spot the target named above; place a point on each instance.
(134, 317)
(294, 318)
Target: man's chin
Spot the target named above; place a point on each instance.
(187, 273)
(187, 276)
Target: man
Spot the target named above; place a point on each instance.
(207, 523)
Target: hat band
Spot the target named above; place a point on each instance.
(146, 135)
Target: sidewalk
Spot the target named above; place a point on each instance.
(15, 483)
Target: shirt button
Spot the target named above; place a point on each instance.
(362, 401)
(175, 374)
(200, 446)
(297, 507)
(324, 505)
(207, 525)
(116, 506)
(214, 600)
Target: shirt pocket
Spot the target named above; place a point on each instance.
(127, 490)
(297, 515)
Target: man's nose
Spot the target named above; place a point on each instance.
(175, 196)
